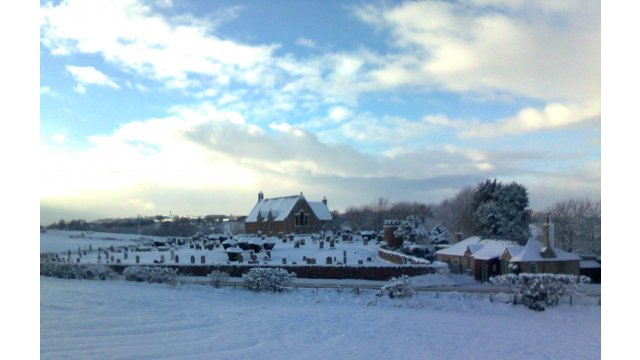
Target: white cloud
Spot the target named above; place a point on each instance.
(530, 49)
(88, 75)
(304, 42)
(59, 138)
(553, 116)
(140, 40)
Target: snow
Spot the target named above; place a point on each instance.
(81, 319)
(531, 252)
(280, 208)
(321, 210)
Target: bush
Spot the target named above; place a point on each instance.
(76, 271)
(268, 279)
(398, 287)
(538, 291)
(151, 274)
(217, 277)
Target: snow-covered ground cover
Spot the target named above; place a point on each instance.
(115, 319)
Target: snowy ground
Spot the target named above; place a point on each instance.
(59, 241)
(115, 319)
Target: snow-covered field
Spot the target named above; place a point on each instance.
(60, 241)
(84, 319)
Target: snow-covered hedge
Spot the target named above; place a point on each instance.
(398, 287)
(151, 274)
(76, 271)
(538, 291)
(268, 279)
(217, 277)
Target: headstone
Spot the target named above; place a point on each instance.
(254, 257)
(193, 259)
(173, 254)
(350, 238)
(284, 261)
(117, 261)
(321, 244)
(360, 262)
(78, 260)
(269, 253)
(368, 259)
(112, 259)
(329, 260)
(296, 244)
(332, 243)
(202, 259)
(365, 240)
(162, 259)
(177, 259)
(137, 259)
(126, 255)
(265, 259)
(304, 257)
(240, 258)
(344, 257)
(302, 241)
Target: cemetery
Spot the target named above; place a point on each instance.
(332, 256)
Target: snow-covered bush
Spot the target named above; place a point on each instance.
(268, 279)
(217, 277)
(538, 291)
(439, 235)
(398, 287)
(151, 274)
(76, 271)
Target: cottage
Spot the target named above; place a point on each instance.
(288, 214)
(485, 258)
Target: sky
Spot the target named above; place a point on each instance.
(192, 108)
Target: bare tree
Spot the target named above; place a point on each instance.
(577, 224)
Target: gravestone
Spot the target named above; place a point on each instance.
(296, 244)
(344, 257)
(202, 259)
(332, 243)
(240, 258)
(126, 255)
(78, 260)
(162, 259)
(329, 260)
(269, 253)
(365, 240)
(321, 244)
(368, 259)
(254, 257)
(177, 259)
(304, 257)
(284, 261)
(193, 259)
(302, 241)
(117, 261)
(265, 259)
(360, 262)
(173, 254)
(137, 259)
(112, 259)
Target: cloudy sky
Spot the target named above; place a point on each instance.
(194, 107)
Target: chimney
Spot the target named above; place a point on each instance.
(324, 200)
(545, 234)
(260, 196)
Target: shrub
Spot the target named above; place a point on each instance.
(538, 291)
(268, 279)
(217, 277)
(398, 287)
(76, 271)
(151, 274)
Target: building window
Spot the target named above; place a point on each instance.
(270, 226)
(302, 219)
(534, 268)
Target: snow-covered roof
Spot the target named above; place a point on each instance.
(280, 208)
(531, 253)
(481, 249)
(459, 248)
(321, 210)
(494, 248)
(589, 264)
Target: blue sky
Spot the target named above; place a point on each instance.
(194, 107)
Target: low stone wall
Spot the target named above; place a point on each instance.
(398, 258)
(304, 271)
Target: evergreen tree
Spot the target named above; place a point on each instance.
(501, 211)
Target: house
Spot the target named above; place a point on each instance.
(288, 214)
(485, 258)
